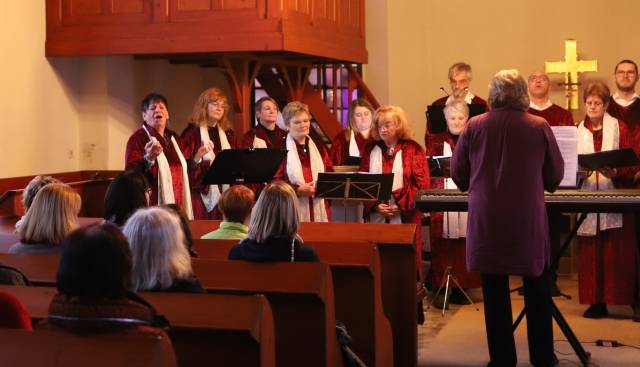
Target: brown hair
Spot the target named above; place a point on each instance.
(275, 213)
(626, 61)
(597, 89)
(236, 203)
(258, 105)
(199, 113)
(52, 215)
(360, 102)
(399, 118)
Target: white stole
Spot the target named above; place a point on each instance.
(210, 199)
(165, 179)
(353, 145)
(296, 177)
(454, 224)
(610, 141)
(258, 143)
(375, 166)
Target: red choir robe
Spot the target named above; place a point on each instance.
(447, 251)
(134, 160)
(191, 139)
(555, 115)
(607, 261)
(415, 177)
(631, 116)
(431, 138)
(340, 146)
(305, 162)
(279, 137)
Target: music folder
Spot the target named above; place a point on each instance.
(244, 166)
(354, 186)
(437, 123)
(608, 158)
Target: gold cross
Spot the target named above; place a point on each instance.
(570, 67)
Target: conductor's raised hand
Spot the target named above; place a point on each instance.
(152, 150)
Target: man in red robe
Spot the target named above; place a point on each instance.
(459, 80)
(540, 105)
(625, 106)
(266, 134)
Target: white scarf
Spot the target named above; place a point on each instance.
(210, 199)
(296, 177)
(165, 180)
(610, 141)
(454, 224)
(353, 145)
(375, 166)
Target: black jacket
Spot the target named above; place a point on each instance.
(273, 249)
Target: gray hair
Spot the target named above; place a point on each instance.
(33, 187)
(275, 213)
(456, 105)
(157, 249)
(508, 89)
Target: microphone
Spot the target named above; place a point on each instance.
(444, 91)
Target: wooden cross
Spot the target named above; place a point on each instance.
(570, 67)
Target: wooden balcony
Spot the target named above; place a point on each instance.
(309, 30)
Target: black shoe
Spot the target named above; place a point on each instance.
(555, 291)
(438, 302)
(458, 298)
(521, 291)
(636, 313)
(554, 362)
(596, 311)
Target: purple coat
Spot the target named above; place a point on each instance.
(505, 159)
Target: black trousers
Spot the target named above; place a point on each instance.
(554, 220)
(499, 322)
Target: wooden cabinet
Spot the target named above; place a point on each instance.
(313, 29)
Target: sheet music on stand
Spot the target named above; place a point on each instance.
(347, 189)
(567, 139)
(244, 166)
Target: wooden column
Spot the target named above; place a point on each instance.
(241, 74)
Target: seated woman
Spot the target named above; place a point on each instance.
(351, 142)
(31, 190)
(51, 217)
(161, 261)
(128, 192)
(393, 151)
(235, 205)
(305, 159)
(209, 128)
(93, 284)
(273, 229)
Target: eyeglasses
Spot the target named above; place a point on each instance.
(627, 72)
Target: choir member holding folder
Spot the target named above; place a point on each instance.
(607, 244)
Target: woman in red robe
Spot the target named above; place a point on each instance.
(209, 129)
(351, 142)
(158, 153)
(606, 241)
(449, 230)
(305, 159)
(394, 151)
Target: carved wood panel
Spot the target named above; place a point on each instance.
(91, 12)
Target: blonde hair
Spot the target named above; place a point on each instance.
(199, 114)
(53, 214)
(399, 119)
(157, 248)
(292, 109)
(456, 105)
(275, 213)
(458, 68)
(33, 187)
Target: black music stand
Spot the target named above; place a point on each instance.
(244, 166)
(354, 187)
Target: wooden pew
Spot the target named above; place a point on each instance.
(228, 329)
(355, 267)
(38, 348)
(301, 296)
(395, 243)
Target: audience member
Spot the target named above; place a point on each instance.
(51, 217)
(161, 261)
(13, 314)
(235, 205)
(273, 229)
(128, 192)
(31, 190)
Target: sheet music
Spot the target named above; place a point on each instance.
(567, 138)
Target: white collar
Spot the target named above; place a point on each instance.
(467, 98)
(546, 105)
(624, 102)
